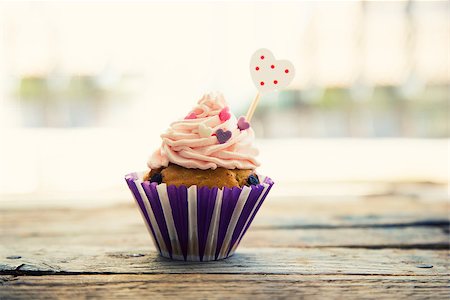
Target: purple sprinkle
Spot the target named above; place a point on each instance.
(223, 136)
(243, 124)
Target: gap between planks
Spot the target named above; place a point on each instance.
(19, 273)
(439, 223)
(225, 286)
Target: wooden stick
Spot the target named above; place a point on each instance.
(252, 108)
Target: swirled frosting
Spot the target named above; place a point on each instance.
(194, 142)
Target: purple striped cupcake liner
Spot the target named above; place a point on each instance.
(197, 223)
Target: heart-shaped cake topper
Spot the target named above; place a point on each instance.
(269, 74)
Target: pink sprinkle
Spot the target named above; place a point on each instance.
(191, 116)
(224, 114)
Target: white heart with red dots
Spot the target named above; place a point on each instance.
(269, 74)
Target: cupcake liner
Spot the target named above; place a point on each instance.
(197, 223)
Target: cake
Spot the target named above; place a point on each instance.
(201, 190)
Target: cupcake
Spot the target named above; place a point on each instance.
(201, 191)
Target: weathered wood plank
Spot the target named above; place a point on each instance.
(351, 212)
(408, 237)
(84, 259)
(113, 226)
(303, 247)
(297, 212)
(112, 240)
(213, 286)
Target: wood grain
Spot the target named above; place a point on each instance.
(75, 259)
(391, 244)
(370, 225)
(298, 212)
(370, 238)
(236, 286)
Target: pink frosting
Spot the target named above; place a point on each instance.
(183, 145)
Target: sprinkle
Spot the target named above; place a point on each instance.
(223, 136)
(253, 179)
(224, 114)
(157, 177)
(191, 115)
(243, 124)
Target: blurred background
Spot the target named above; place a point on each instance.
(87, 88)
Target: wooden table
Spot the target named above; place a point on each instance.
(382, 241)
